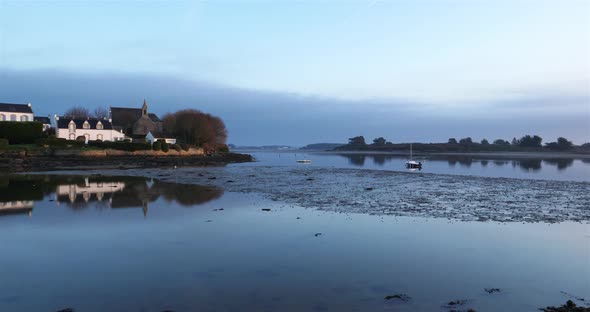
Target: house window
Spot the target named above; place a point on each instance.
(2, 117)
(13, 117)
(72, 127)
(24, 118)
(99, 136)
(86, 125)
(87, 136)
(72, 136)
(99, 126)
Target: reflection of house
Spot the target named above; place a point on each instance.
(16, 207)
(89, 191)
(16, 112)
(91, 128)
(135, 122)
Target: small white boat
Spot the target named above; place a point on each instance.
(304, 161)
(412, 164)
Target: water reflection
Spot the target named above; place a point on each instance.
(19, 193)
(526, 164)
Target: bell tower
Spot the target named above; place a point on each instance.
(144, 108)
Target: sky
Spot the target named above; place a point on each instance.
(300, 72)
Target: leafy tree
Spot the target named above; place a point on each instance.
(465, 141)
(358, 140)
(515, 141)
(196, 128)
(485, 142)
(530, 141)
(452, 141)
(561, 144)
(77, 112)
(379, 141)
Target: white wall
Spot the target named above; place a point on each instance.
(90, 134)
(12, 116)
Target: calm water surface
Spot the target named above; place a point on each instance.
(131, 244)
(560, 169)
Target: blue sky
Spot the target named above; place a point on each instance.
(305, 71)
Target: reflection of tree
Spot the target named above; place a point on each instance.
(355, 159)
(561, 163)
(380, 159)
(484, 163)
(528, 164)
(462, 160)
(187, 194)
(500, 163)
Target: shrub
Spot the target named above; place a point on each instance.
(185, 146)
(223, 149)
(165, 147)
(51, 142)
(81, 138)
(157, 146)
(177, 147)
(3, 143)
(21, 132)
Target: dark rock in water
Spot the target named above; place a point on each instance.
(569, 306)
(209, 221)
(265, 209)
(66, 310)
(369, 189)
(230, 181)
(402, 297)
(212, 178)
(492, 290)
(317, 234)
(298, 218)
(219, 209)
(310, 179)
(200, 174)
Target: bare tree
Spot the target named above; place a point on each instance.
(101, 112)
(77, 112)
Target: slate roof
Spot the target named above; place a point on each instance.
(64, 122)
(126, 117)
(15, 108)
(44, 120)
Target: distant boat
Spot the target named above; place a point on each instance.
(304, 161)
(412, 164)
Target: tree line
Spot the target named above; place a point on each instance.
(526, 141)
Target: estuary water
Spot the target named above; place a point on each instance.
(551, 167)
(283, 237)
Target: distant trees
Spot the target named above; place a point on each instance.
(357, 140)
(466, 141)
(561, 144)
(501, 142)
(530, 141)
(379, 141)
(101, 112)
(485, 142)
(452, 141)
(195, 127)
(77, 112)
(83, 112)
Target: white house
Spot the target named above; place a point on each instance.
(16, 112)
(46, 121)
(91, 128)
(154, 137)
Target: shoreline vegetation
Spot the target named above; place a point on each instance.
(525, 145)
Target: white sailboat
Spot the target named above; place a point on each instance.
(412, 164)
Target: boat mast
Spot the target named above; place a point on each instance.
(411, 158)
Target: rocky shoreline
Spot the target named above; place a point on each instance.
(20, 161)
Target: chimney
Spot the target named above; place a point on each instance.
(29, 104)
